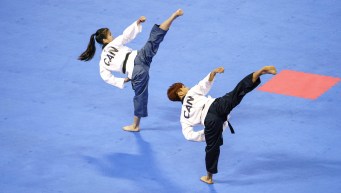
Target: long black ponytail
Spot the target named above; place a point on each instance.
(90, 51)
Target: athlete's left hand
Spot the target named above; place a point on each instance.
(126, 80)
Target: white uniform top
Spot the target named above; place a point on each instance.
(113, 56)
(194, 109)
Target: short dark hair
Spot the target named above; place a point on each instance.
(172, 91)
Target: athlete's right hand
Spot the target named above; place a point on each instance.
(219, 70)
(141, 19)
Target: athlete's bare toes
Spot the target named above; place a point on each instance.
(206, 180)
(179, 12)
(269, 70)
(131, 128)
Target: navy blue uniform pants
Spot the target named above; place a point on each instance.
(140, 76)
(217, 115)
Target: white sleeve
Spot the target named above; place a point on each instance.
(128, 34)
(204, 86)
(192, 135)
(111, 79)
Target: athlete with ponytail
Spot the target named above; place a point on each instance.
(116, 57)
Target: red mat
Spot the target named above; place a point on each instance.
(299, 84)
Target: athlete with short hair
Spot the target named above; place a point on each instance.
(210, 112)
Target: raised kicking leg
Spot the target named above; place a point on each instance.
(166, 24)
(144, 57)
(223, 106)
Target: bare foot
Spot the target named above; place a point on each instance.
(269, 70)
(206, 179)
(178, 13)
(131, 128)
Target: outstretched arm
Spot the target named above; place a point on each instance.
(130, 32)
(214, 72)
(204, 86)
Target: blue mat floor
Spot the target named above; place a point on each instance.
(60, 123)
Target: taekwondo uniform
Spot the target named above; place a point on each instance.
(212, 114)
(116, 57)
